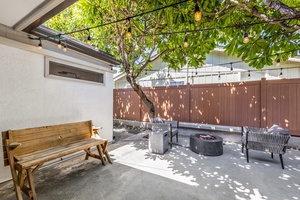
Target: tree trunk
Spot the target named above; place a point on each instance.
(137, 88)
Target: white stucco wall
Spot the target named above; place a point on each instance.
(29, 99)
(158, 75)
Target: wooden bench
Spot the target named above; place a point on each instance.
(26, 150)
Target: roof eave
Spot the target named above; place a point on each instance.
(43, 31)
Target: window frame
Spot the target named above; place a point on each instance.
(71, 65)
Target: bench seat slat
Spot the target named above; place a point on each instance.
(52, 153)
(44, 152)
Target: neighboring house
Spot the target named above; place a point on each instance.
(48, 86)
(212, 72)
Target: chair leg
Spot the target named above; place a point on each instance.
(242, 147)
(281, 160)
(271, 154)
(177, 137)
(247, 155)
(171, 140)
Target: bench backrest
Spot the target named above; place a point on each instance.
(34, 139)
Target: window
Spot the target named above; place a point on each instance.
(61, 69)
(177, 83)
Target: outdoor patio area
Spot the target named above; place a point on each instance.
(178, 174)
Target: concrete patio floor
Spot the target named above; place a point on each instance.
(137, 174)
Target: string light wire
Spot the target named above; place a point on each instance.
(162, 33)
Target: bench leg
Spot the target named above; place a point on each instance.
(31, 184)
(100, 154)
(22, 178)
(14, 175)
(281, 160)
(16, 183)
(104, 148)
(87, 155)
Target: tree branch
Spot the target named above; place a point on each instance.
(277, 6)
(282, 8)
(151, 60)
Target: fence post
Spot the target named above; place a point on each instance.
(263, 103)
(140, 108)
(188, 88)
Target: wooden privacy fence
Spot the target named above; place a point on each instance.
(255, 103)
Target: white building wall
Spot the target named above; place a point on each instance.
(29, 99)
(209, 73)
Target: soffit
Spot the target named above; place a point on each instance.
(26, 15)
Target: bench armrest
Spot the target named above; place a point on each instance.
(14, 145)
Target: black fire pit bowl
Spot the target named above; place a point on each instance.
(206, 144)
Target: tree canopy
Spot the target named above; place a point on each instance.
(271, 25)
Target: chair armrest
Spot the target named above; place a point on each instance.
(257, 130)
(158, 126)
(174, 124)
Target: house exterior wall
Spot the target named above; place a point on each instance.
(157, 76)
(29, 99)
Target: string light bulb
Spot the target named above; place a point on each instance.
(249, 76)
(59, 44)
(246, 38)
(128, 34)
(168, 75)
(197, 13)
(185, 43)
(231, 68)
(196, 73)
(40, 46)
(278, 62)
(219, 77)
(89, 39)
(281, 75)
(146, 72)
(65, 48)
